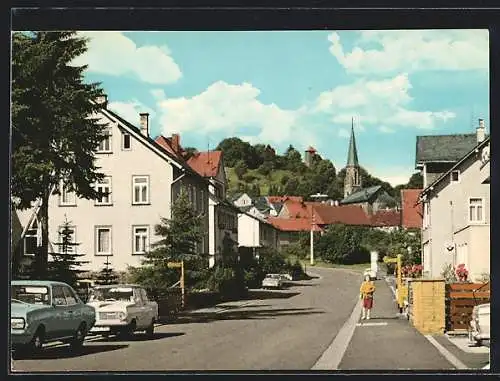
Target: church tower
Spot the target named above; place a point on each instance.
(352, 181)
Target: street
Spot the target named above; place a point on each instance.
(309, 325)
(283, 330)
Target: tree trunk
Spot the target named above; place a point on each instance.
(43, 254)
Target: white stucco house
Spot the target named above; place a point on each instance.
(456, 214)
(142, 181)
(255, 233)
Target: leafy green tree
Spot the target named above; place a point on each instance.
(240, 169)
(53, 136)
(65, 266)
(236, 149)
(341, 244)
(107, 275)
(179, 237)
(291, 187)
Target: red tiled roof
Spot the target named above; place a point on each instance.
(292, 224)
(274, 199)
(343, 214)
(207, 164)
(411, 214)
(386, 218)
(297, 209)
(166, 143)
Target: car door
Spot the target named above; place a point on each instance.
(73, 310)
(141, 309)
(61, 326)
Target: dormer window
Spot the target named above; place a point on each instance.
(455, 176)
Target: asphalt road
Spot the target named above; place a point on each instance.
(274, 330)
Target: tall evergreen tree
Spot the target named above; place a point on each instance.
(53, 135)
(65, 266)
(107, 275)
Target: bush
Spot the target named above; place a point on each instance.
(271, 261)
(249, 177)
(295, 249)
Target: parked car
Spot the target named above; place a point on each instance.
(272, 281)
(122, 309)
(479, 327)
(285, 277)
(47, 311)
(372, 273)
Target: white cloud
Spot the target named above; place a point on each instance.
(413, 50)
(230, 109)
(344, 133)
(130, 110)
(377, 102)
(386, 130)
(112, 53)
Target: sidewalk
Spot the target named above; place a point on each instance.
(388, 341)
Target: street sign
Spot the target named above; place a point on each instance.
(174, 265)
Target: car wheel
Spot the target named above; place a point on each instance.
(129, 330)
(77, 342)
(150, 331)
(36, 344)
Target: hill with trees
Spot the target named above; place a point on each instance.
(258, 170)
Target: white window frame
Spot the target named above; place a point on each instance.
(427, 214)
(124, 134)
(457, 171)
(106, 184)
(73, 239)
(96, 240)
(135, 235)
(483, 217)
(65, 193)
(140, 186)
(109, 139)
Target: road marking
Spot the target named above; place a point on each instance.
(371, 324)
(446, 353)
(332, 356)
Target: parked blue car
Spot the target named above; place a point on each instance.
(47, 311)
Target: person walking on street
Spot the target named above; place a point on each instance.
(366, 292)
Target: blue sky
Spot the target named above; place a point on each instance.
(300, 88)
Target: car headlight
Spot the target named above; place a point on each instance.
(17, 323)
(122, 315)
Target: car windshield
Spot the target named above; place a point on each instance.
(112, 294)
(273, 276)
(32, 294)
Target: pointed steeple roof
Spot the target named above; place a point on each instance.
(352, 155)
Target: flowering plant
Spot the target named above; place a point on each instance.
(462, 272)
(412, 271)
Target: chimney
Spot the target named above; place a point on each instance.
(102, 100)
(480, 131)
(144, 116)
(175, 142)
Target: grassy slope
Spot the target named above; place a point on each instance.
(264, 182)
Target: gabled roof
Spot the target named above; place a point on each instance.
(443, 148)
(296, 209)
(207, 164)
(363, 195)
(149, 142)
(292, 224)
(167, 144)
(325, 214)
(411, 212)
(457, 164)
(386, 218)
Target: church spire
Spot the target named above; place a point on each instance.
(352, 155)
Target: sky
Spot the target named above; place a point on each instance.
(299, 87)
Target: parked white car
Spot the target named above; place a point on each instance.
(370, 272)
(122, 309)
(272, 281)
(479, 329)
(286, 277)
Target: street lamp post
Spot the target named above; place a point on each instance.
(312, 238)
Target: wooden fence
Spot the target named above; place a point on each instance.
(460, 300)
(427, 305)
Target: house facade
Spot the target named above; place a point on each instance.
(142, 181)
(255, 233)
(456, 218)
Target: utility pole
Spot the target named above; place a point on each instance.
(312, 238)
